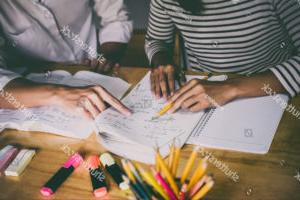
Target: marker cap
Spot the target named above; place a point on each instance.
(74, 161)
(45, 191)
(93, 162)
(100, 192)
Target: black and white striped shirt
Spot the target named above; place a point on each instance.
(239, 36)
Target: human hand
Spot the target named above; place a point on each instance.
(101, 65)
(88, 101)
(163, 80)
(197, 95)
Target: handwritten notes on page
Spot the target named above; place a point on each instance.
(141, 130)
(54, 119)
(46, 119)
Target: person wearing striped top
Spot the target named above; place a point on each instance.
(256, 38)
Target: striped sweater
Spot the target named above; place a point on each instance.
(237, 36)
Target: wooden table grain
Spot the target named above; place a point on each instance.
(273, 176)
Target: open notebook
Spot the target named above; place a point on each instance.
(245, 125)
(135, 137)
(54, 119)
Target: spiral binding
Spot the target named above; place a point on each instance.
(202, 122)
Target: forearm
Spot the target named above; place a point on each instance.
(24, 93)
(258, 85)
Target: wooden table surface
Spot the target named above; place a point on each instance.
(274, 175)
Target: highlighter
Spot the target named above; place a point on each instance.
(7, 154)
(19, 164)
(61, 175)
(97, 177)
(114, 170)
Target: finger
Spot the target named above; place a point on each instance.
(108, 66)
(189, 102)
(80, 111)
(97, 101)
(114, 102)
(94, 64)
(178, 103)
(201, 105)
(116, 69)
(163, 84)
(182, 90)
(171, 82)
(152, 81)
(182, 79)
(157, 86)
(90, 108)
(101, 65)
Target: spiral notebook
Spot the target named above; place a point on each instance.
(246, 125)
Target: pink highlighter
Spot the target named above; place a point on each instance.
(61, 175)
(7, 154)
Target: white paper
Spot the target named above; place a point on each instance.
(47, 119)
(247, 125)
(54, 119)
(141, 128)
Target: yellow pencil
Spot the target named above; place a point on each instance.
(198, 173)
(176, 161)
(171, 157)
(164, 110)
(148, 177)
(167, 173)
(128, 171)
(203, 191)
(157, 168)
(189, 165)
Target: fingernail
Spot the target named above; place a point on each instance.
(128, 113)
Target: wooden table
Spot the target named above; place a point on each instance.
(261, 177)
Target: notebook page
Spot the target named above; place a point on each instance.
(116, 86)
(141, 127)
(247, 125)
(54, 119)
(47, 119)
(55, 77)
